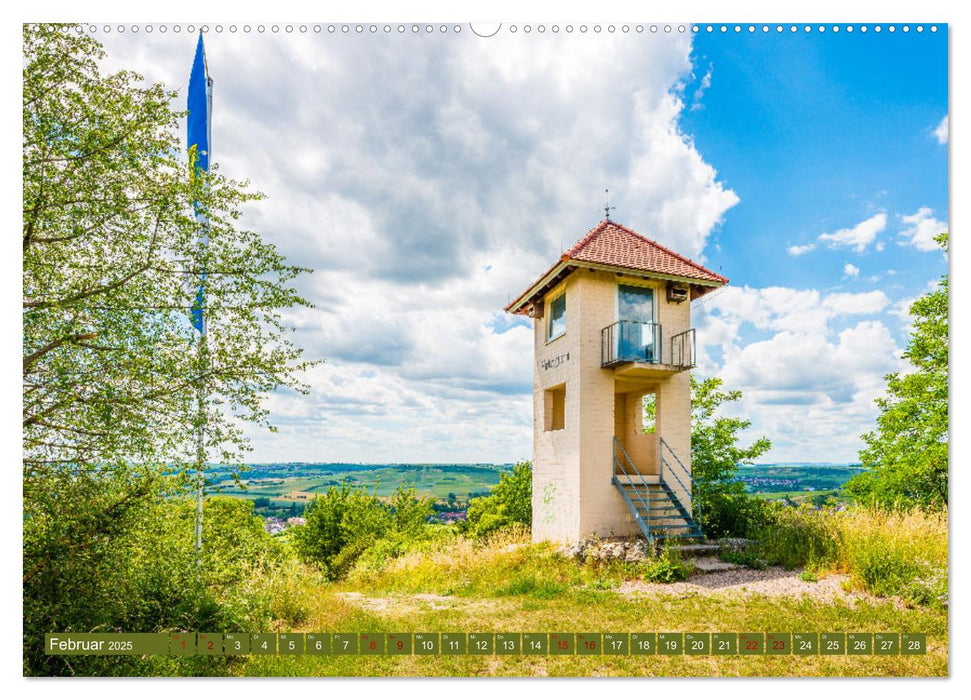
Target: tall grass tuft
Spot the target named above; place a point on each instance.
(896, 553)
(901, 553)
(799, 537)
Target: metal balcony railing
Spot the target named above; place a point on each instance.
(630, 341)
(638, 341)
(683, 349)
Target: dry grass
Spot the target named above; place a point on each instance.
(883, 552)
(504, 564)
(895, 553)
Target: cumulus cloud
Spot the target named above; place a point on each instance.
(426, 182)
(921, 228)
(813, 395)
(858, 237)
(854, 304)
(813, 371)
(941, 131)
(797, 250)
(779, 309)
(850, 270)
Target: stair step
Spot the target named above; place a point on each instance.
(685, 526)
(656, 509)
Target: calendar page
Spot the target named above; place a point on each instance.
(460, 349)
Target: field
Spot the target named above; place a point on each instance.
(285, 489)
(289, 487)
(795, 478)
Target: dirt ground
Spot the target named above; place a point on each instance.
(711, 577)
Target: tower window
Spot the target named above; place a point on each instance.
(554, 408)
(557, 322)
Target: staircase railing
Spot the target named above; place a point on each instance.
(624, 465)
(693, 492)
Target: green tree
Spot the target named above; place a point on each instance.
(726, 508)
(142, 578)
(509, 503)
(112, 369)
(346, 521)
(906, 457)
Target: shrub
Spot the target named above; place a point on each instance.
(345, 522)
(145, 579)
(510, 503)
(902, 553)
(896, 553)
(728, 511)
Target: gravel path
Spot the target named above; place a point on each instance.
(715, 577)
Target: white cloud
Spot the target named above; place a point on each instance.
(427, 186)
(941, 131)
(808, 362)
(855, 304)
(669, 186)
(809, 388)
(779, 309)
(857, 237)
(921, 229)
(850, 270)
(797, 250)
(704, 85)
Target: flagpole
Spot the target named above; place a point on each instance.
(202, 348)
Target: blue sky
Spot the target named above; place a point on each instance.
(427, 177)
(817, 132)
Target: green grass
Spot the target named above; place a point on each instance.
(575, 609)
(508, 584)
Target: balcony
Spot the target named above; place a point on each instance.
(637, 349)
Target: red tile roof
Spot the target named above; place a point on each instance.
(609, 243)
(614, 245)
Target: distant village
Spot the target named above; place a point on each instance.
(276, 526)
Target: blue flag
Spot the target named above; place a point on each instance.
(198, 146)
(198, 106)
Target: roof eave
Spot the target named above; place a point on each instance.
(651, 274)
(518, 306)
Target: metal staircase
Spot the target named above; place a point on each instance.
(656, 508)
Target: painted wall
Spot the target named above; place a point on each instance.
(573, 496)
